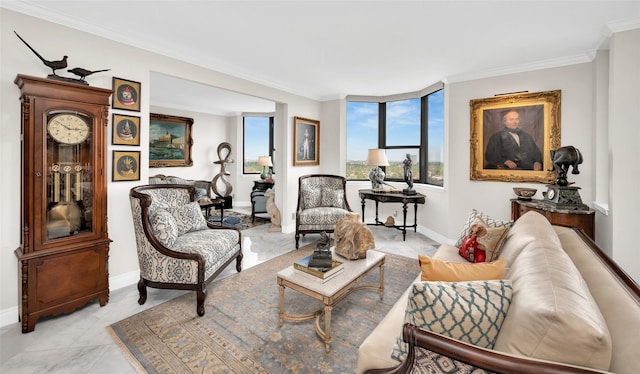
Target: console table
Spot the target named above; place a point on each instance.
(260, 185)
(394, 197)
(580, 218)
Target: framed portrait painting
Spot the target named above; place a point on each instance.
(169, 141)
(126, 166)
(306, 142)
(125, 130)
(512, 136)
(126, 95)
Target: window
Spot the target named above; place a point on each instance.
(410, 124)
(257, 140)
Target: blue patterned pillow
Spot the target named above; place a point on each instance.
(164, 227)
(471, 312)
(189, 218)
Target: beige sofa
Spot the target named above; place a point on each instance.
(572, 310)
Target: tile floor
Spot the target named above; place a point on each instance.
(79, 343)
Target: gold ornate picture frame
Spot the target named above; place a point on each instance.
(539, 122)
(125, 130)
(306, 142)
(126, 94)
(126, 166)
(170, 141)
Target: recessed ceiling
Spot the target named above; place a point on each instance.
(328, 49)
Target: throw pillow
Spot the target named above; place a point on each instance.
(438, 270)
(311, 198)
(332, 198)
(493, 241)
(489, 222)
(429, 362)
(481, 241)
(189, 218)
(471, 312)
(164, 227)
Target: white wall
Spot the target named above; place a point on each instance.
(624, 142)
(90, 51)
(446, 208)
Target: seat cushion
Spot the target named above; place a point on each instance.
(216, 246)
(321, 218)
(553, 315)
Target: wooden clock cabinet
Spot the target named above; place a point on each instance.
(64, 249)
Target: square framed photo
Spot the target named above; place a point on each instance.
(306, 142)
(512, 136)
(126, 95)
(126, 166)
(169, 141)
(125, 130)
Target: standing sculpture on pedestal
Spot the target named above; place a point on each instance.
(223, 172)
(408, 176)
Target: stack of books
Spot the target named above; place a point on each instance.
(323, 274)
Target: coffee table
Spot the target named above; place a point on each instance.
(330, 292)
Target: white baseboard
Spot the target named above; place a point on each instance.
(10, 315)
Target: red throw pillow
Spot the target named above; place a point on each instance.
(470, 249)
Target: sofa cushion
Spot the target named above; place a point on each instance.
(189, 218)
(490, 222)
(438, 270)
(468, 311)
(531, 228)
(164, 227)
(553, 315)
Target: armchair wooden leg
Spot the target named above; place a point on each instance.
(297, 239)
(201, 295)
(142, 290)
(239, 263)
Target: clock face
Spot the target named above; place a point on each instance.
(68, 128)
(551, 193)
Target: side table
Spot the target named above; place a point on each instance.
(581, 218)
(218, 203)
(394, 197)
(260, 185)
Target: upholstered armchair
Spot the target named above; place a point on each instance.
(322, 201)
(258, 203)
(177, 248)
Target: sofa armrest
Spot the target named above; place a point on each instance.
(490, 360)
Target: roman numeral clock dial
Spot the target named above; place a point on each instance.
(68, 128)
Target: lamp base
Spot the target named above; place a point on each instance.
(376, 176)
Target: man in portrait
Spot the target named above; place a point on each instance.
(511, 147)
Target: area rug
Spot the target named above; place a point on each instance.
(240, 334)
(236, 220)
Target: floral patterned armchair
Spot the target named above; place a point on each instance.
(177, 248)
(322, 201)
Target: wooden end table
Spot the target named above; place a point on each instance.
(331, 292)
(394, 197)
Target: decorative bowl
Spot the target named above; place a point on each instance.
(524, 193)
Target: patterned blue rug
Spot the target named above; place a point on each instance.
(240, 334)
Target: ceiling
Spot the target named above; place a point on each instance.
(325, 50)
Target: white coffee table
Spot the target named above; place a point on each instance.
(330, 292)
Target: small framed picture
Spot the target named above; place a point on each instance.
(306, 142)
(126, 95)
(126, 130)
(126, 166)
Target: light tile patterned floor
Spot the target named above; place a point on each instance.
(79, 343)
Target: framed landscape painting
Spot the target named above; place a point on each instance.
(512, 136)
(306, 139)
(169, 141)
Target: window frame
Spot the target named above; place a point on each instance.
(271, 145)
(423, 146)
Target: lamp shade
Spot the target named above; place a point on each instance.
(377, 157)
(265, 161)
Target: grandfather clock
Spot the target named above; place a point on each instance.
(63, 255)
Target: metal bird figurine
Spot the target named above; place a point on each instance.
(83, 73)
(54, 65)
